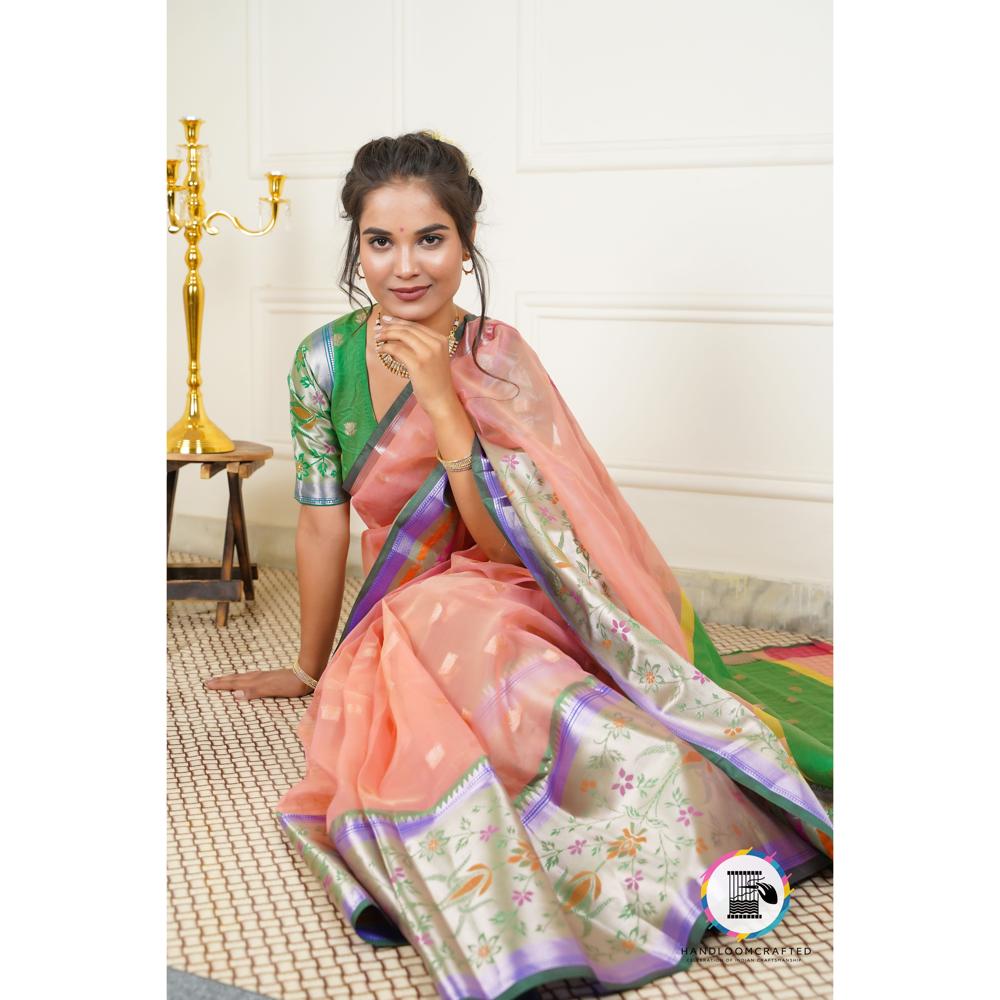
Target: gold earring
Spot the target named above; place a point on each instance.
(357, 271)
(473, 267)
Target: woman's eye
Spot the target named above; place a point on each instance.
(374, 241)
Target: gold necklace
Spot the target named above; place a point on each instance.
(397, 367)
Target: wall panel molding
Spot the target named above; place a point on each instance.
(270, 362)
(536, 152)
(263, 155)
(534, 308)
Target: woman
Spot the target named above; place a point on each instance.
(524, 751)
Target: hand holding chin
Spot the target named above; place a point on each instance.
(425, 353)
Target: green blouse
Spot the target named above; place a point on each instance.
(331, 408)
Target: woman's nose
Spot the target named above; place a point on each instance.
(404, 263)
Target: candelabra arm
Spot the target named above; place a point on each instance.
(173, 187)
(175, 225)
(275, 182)
(212, 231)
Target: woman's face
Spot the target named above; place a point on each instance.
(407, 241)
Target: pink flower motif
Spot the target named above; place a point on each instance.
(397, 875)
(522, 897)
(510, 460)
(328, 447)
(690, 811)
(699, 677)
(546, 513)
(424, 938)
(632, 882)
(577, 846)
(485, 835)
(626, 782)
(619, 628)
(317, 399)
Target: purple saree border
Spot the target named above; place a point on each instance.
(518, 537)
(566, 744)
(408, 534)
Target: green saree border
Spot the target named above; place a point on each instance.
(374, 937)
(765, 793)
(376, 435)
(779, 645)
(813, 757)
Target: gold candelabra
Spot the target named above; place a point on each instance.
(194, 433)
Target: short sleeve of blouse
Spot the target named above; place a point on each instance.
(315, 447)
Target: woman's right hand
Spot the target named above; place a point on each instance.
(260, 684)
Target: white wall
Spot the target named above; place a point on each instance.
(657, 218)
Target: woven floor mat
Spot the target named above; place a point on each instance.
(243, 908)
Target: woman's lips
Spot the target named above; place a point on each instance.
(409, 296)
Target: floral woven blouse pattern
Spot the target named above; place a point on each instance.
(315, 447)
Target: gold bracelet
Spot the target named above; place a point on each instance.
(302, 675)
(456, 464)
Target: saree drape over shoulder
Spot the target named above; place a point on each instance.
(523, 771)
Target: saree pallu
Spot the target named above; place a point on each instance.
(524, 770)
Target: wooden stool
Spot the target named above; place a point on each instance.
(216, 583)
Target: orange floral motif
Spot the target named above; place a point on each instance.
(691, 757)
(306, 417)
(700, 846)
(524, 854)
(586, 882)
(618, 720)
(482, 880)
(628, 843)
(628, 944)
(732, 731)
(587, 784)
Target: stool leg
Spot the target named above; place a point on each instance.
(171, 493)
(222, 608)
(242, 543)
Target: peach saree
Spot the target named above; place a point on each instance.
(524, 771)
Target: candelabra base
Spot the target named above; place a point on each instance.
(197, 435)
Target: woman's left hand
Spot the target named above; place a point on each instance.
(425, 353)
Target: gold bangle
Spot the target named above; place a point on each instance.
(302, 675)
(456, 464)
